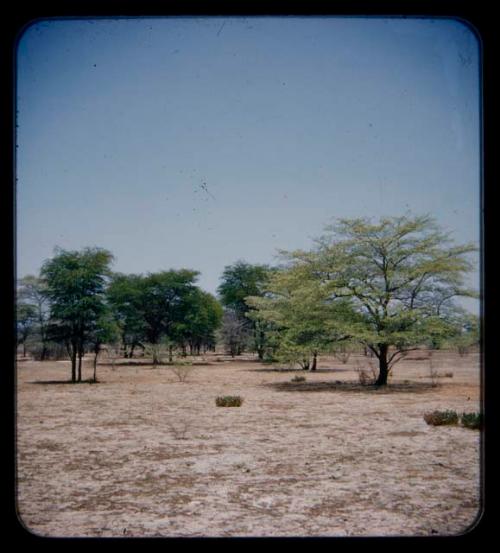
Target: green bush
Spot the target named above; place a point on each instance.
(228, 401)
(472, 420)
(438, 418)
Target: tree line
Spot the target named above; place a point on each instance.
(388, 287)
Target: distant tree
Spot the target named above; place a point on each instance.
(104, 330)
(465, 332)
(32, 291)
(202, 317)
(396, 275)
(163, 303)
(76, 282)
(239, 281)
(124, 298)
(25, 321)
(234, 333)
(305, 322)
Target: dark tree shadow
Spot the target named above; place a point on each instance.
(300, 372)
(339, 386)
(138, 363)
(86, 381)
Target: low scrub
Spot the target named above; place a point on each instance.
(228, 401)
(439, 418)
(472, 420)
(299, 378)
(182, 370)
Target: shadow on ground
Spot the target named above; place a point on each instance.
(86, 381)
(339, 386)
(300, 372)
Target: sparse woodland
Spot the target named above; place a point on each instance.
(387, 287)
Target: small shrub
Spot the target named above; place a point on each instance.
(472, 420)
(439, 418)
(179, 430)
(367, 377)
(448, 374)
(228, 401)
(182, 371)
(298, 378)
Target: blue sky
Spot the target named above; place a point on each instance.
(195, 142)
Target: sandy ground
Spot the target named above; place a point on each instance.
(143, 454)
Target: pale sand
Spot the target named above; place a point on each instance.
(142, 454)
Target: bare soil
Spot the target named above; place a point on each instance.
(141, 453)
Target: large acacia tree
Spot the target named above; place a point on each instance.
(75, 285)
(305, 324)
(397, 275)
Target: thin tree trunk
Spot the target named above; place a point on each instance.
(95, 363)
(170, 354)
(73, 363)
(80, 355)
(383, 366)
(315, 361)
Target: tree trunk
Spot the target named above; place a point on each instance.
(315, 361)
(383, 366)
(24, 348)
(170, 354)
(80, 352)
(73, 364)
(71, 349)
(80, 355)
(95, 363)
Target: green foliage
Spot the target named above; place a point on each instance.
(472, 420)
(240, 281)
(202, 318)
(32, 291)
(75, 285)
(304, 321)
(439, 418)
(124, 299)
(387, 285)
(26, 316)
(163, 302)
(465, 333)
(228, 401)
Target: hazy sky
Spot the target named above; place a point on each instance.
(195, 142)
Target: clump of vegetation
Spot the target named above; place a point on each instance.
(228, 401)
(182, 369)
(472, 420)
(439, 418)
(298, 378)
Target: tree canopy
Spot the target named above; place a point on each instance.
(238, 282)
(75, 285)
(394, 280)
